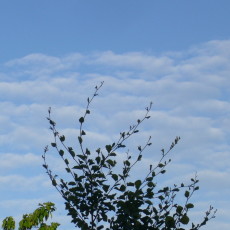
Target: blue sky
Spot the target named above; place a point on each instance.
(174, 53)
(57, 27)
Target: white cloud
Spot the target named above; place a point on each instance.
(10, 160)
(190, 91)
(18, 182)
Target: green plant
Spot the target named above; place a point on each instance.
(33, 220)
(98, 198)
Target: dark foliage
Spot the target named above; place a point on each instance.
(98, 198)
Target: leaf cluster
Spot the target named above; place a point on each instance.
(35, 219)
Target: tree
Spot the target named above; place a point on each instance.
(33, 220)
(98, 198)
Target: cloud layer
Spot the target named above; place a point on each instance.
(190, 91)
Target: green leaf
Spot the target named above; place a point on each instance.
(80, 140)
(108, 148)
(54, 183)
(62, 138)
(184, 219)
(179, 209)
(81, 120)
(72, 183)
(115, 177)
(130, 184)
(83, 132)
(186, 194)
(67, 170)
(53, 144)
(61, 152)
(149, 178)
(122, 188)
(45, 166)
(78, 167)
(169, 222)
(150, 184)
(83, 157)
(138, 184)
(72, 153)
(189, 205)
(110, 162)
(87, 151)
(161, 165)
(105, 188)
(149, 202)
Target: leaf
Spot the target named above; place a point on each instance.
(53, 144)
(62, 138)
(179, 209)
(54, 183)
(122, 188)
(130, 184)
(81, 120)
(169, 222)
(149, 178)
(108, 148)
(82, 157)
(161, 165)
(186, 194)
(72, 153)
(105, 188)
(87, 152)
(61, 152)
(72, 183)
(184, 219)
(80, 140)
(150, 184)
(138, 184)
(139, 157)
(189, 205)
(87, 111)
(83, 132)
(115, 177)
(112, 154)
(149, 202)
(127, 163)
(66, 161)
(45, 166)
(110, 162)
(67, 170)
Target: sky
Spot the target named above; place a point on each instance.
(173, 53)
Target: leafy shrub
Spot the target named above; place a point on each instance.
(98, 198)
